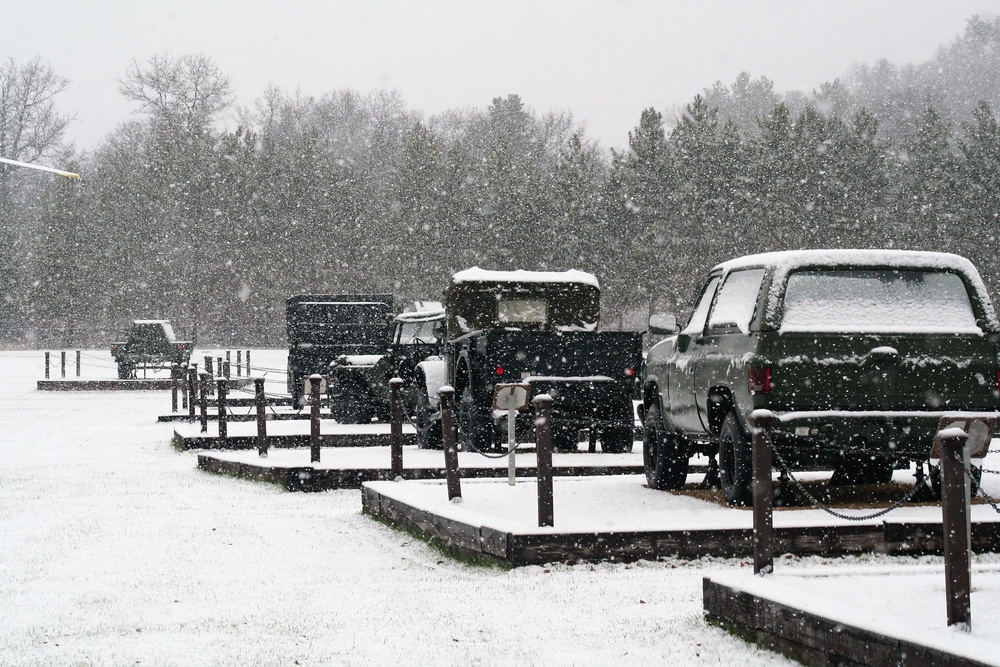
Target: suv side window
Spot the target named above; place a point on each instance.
(696, 325)
(737, 300)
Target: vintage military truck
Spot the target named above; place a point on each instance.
(322, 327)
(151, 344)
(538, 328)
(359, 384)
(859, 354)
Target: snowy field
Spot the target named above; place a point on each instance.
(115, 549)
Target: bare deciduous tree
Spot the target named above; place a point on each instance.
(185, 92)
(29, 123)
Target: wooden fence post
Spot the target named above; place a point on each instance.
(314, 392)
(62, 364)
(204, 382)
(239, 363)
(192, 384)
(174, 373)
(78, 363)
(761, 422)
(223, 422)
(955, 489)
(47, 354)
(543, 455)
(258, 385)
(446, 396)
(209, 369)
(396, 432)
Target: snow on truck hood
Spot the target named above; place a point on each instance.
(784, 262)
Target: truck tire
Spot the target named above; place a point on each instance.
(617, 439)
(352, 405)
(735, 465)
(935, 476)
(428, 426)
(663, 456)
(473, 430)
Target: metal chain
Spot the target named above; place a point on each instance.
(815, 501)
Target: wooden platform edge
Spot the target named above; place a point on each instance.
(813, 639)
(628, 546)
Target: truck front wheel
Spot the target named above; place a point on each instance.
(663, 457)
(428, 427)
(735, 465)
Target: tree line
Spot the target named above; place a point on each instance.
(349, 192)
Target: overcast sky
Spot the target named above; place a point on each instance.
(602, 60)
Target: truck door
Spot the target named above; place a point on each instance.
(687, 353)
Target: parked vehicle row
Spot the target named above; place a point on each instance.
(858, 354)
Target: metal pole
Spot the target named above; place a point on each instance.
(396, 433)
(511, 446)
(314, 387)
(223, 424)
(955, 489)
(763, 494)
(543, 454)
(446, 395)
(258, 385)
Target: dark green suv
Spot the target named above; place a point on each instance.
(858, 353)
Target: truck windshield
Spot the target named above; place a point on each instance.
(417, 332)
(878, 301)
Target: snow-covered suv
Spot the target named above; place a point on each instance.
(858, 353)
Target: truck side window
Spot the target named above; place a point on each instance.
(737, 300)
(696, 324)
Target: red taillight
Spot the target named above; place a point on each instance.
(629, 372)
(499, 370)
(760, 380)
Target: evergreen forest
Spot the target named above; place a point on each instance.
(177, 217)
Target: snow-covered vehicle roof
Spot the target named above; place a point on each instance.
(785, 262)
(475, 274)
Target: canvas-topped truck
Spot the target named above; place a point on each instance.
(359, 384)
(540, 329)
(322, 327)
(151, 344)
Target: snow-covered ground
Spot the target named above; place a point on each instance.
(115, 549)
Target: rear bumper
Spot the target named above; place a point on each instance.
(907, 434)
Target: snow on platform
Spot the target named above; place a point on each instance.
(858, 615)
(350, 467)
(620, 519)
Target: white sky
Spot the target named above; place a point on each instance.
(602, 60)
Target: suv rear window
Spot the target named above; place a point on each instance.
(882, 301)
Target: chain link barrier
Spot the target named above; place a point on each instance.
(847, 517)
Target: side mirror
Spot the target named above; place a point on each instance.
(663, 323)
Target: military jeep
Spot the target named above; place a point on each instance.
(151, 344)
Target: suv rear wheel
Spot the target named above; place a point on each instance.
(735, 465)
